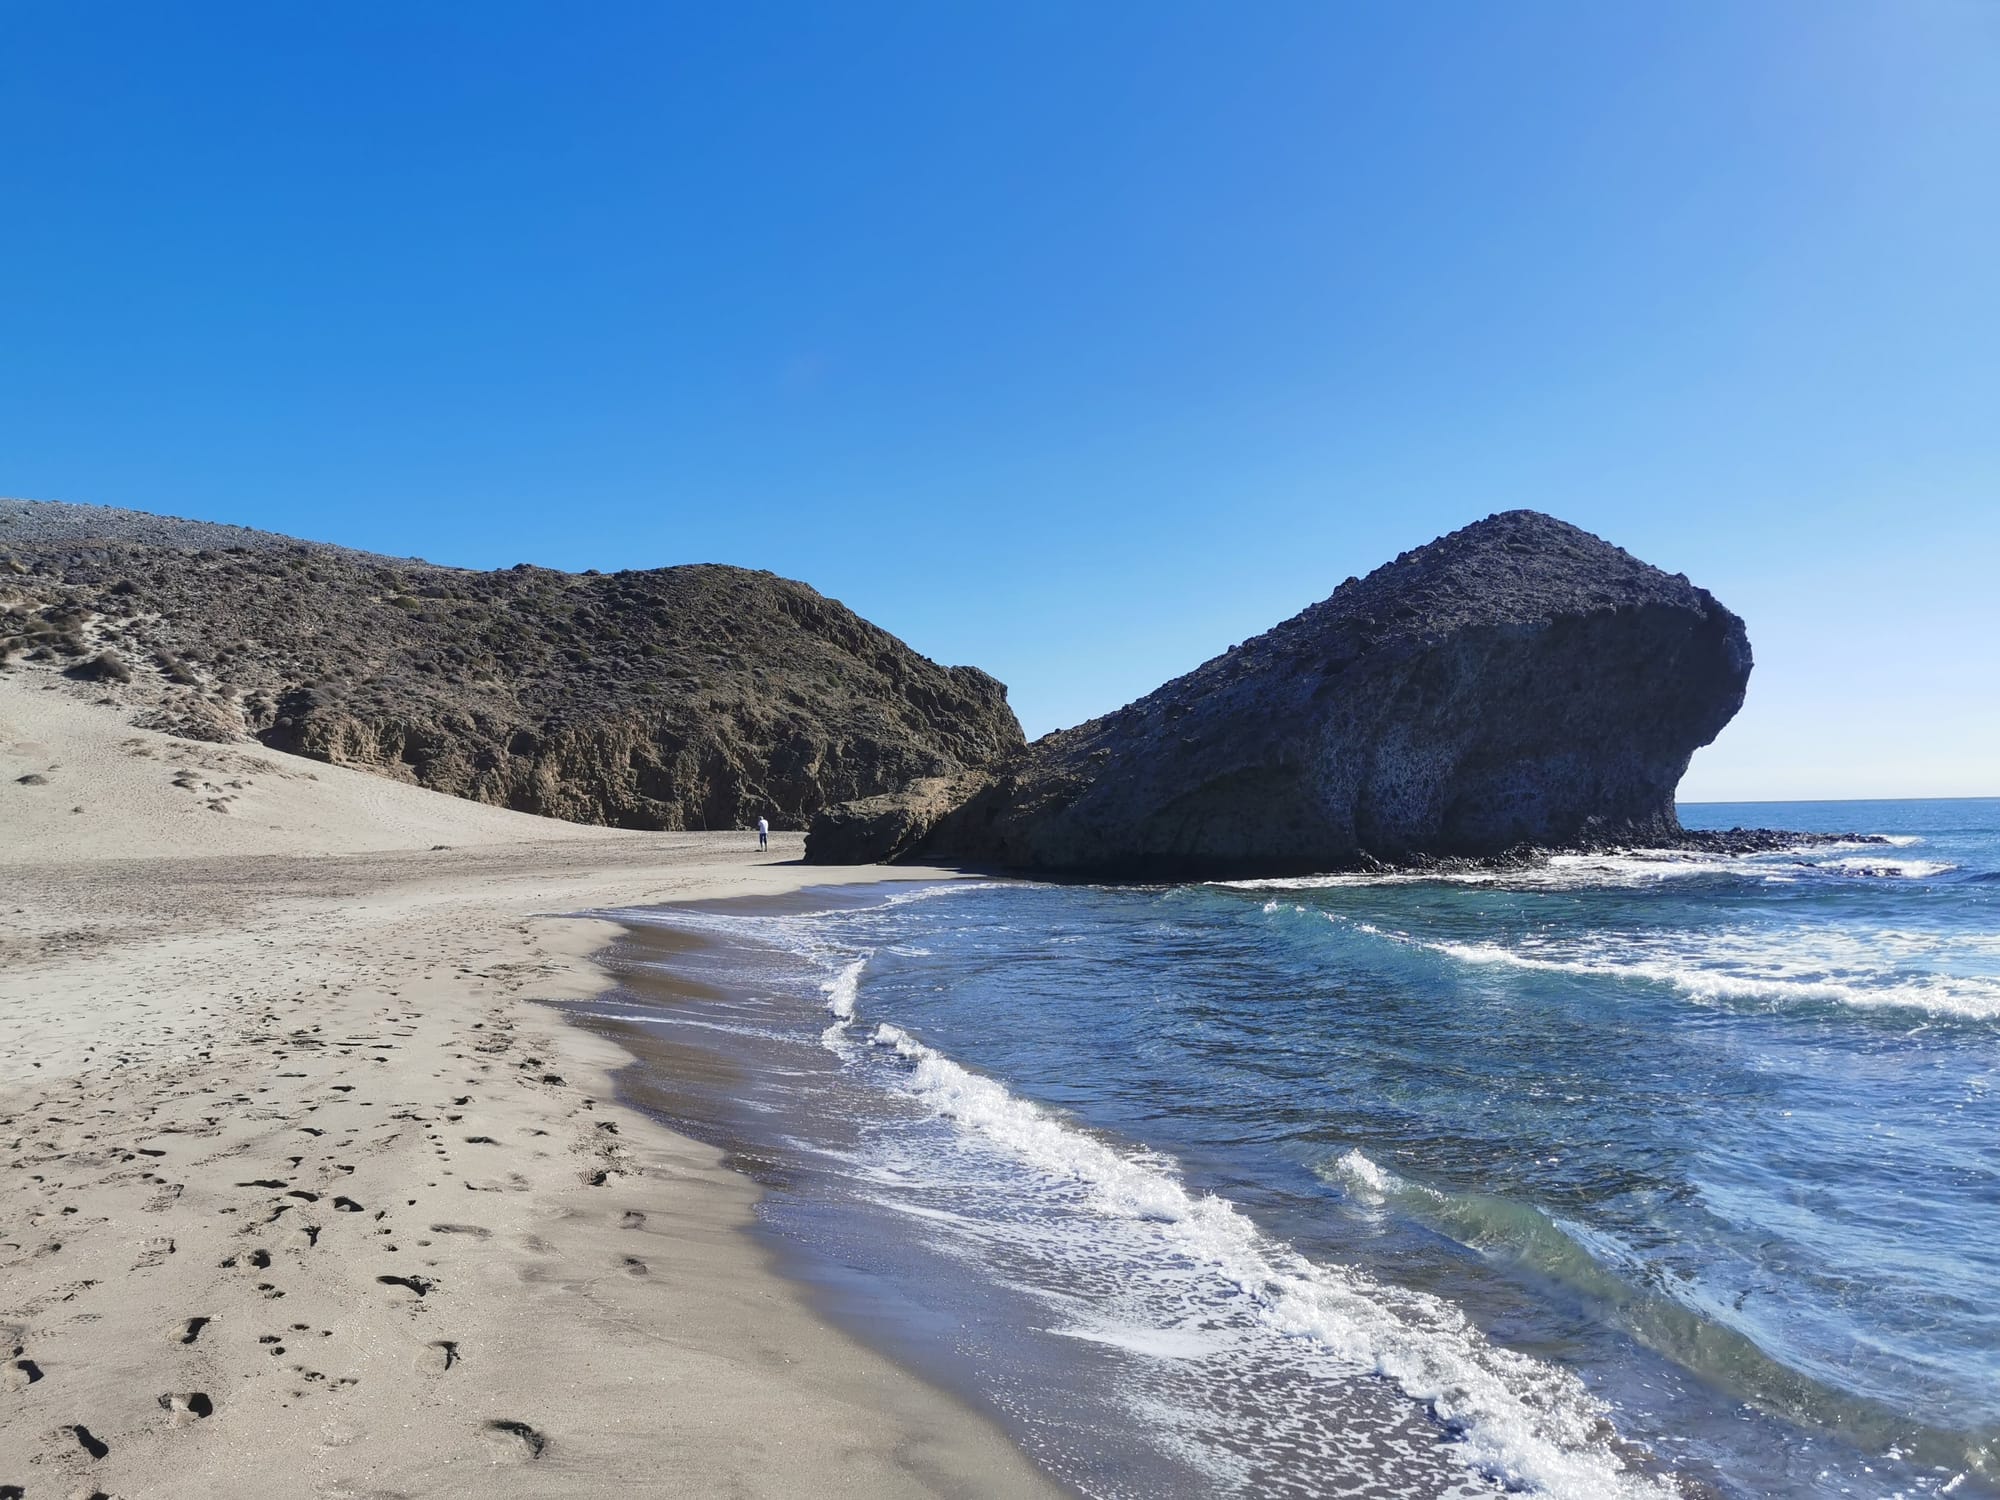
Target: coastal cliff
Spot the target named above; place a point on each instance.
(1518, 682)
(667, 698)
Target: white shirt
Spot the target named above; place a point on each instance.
(762, 826)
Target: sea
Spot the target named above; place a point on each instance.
(1639, 1174)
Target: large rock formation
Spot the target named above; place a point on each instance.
(1517, 682)
(673, 698)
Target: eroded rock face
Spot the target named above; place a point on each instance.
(668, 698)
(1517, 682)
(891, 825)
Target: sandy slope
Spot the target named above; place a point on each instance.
(304, 1197)
(100, 789)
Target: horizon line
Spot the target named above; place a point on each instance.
(1800, 801)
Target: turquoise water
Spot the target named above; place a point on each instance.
(1647, 1174)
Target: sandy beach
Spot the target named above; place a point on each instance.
(306, 1196)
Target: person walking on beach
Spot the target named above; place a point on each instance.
(763, 833)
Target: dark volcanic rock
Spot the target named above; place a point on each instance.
(890, 825)
(1519, 682)
(672, 698)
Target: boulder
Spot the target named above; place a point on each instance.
(880, 829)
(1518, 682)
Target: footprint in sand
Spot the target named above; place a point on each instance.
(20, 1374)
(87, 1440)
(515, 1440)
(438, 1356)
(187, 1406)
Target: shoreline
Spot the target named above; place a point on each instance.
(702, 1088)
(303, 1184)
(776, 1103)
(1721, 842)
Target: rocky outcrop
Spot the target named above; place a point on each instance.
(891, 825)
(670, 698)
(1518, 682)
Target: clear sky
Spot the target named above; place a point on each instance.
(1074, 341)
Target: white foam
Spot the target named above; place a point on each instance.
(1524, 1422)
(1622, 868)
(694, 1023)
(1359, 1169)
(943, 889)
(1153, 1343)
(842, 988)
(803, 933)
(1806, 968)
(1888, 869)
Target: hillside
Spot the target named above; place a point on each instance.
(671, 698)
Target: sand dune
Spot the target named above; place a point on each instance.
(77, 782)
(306, 1197)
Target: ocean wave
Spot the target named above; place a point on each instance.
(788, 929)
(1711, 968)
(840, 990)
(1887, 869)
(693, 1023)
(1881, 969)
(1630, 868)
(1334, 882)
(1557, 872)
(940, 888)
(1695, 1333)
(1519, 1421)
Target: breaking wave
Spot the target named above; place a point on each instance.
(1633, 868)
(1208, 1281)
(1740, 971)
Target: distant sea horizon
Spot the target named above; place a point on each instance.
(1824, 801)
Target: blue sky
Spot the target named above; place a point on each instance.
(1076, 342)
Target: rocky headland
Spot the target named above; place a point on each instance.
(1518, 685)
(669, 698)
